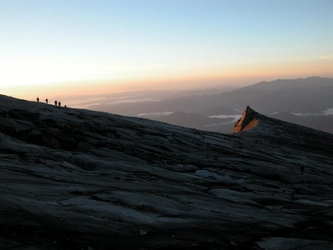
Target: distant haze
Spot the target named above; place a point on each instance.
(66, 48)
(305, 101)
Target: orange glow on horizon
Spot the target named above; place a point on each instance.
(181, 79)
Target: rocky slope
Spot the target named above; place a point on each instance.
(78, 179)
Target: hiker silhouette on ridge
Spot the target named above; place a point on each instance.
(37, 99)
(47, 101)
(59, 104)
(55, 102)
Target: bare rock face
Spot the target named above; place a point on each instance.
(77, 179)
(249, 120)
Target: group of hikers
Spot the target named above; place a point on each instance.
(55, 102)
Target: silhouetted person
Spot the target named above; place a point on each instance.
(65, 106)
(37, 99)
(55, 102)
(59, 104)
(302, 169)
(47, 100)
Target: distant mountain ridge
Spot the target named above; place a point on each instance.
(304, 95)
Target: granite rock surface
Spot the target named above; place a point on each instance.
(78, 179)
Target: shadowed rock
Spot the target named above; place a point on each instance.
(77, 179)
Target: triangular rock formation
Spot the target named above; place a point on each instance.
(249, 120)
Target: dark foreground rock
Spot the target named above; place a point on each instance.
(77, 179)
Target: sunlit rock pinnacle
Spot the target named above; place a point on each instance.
(249, 120)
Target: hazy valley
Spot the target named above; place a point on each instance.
(307, 102)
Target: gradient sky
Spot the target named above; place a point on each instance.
(89, 47)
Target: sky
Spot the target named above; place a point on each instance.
(74, 47)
